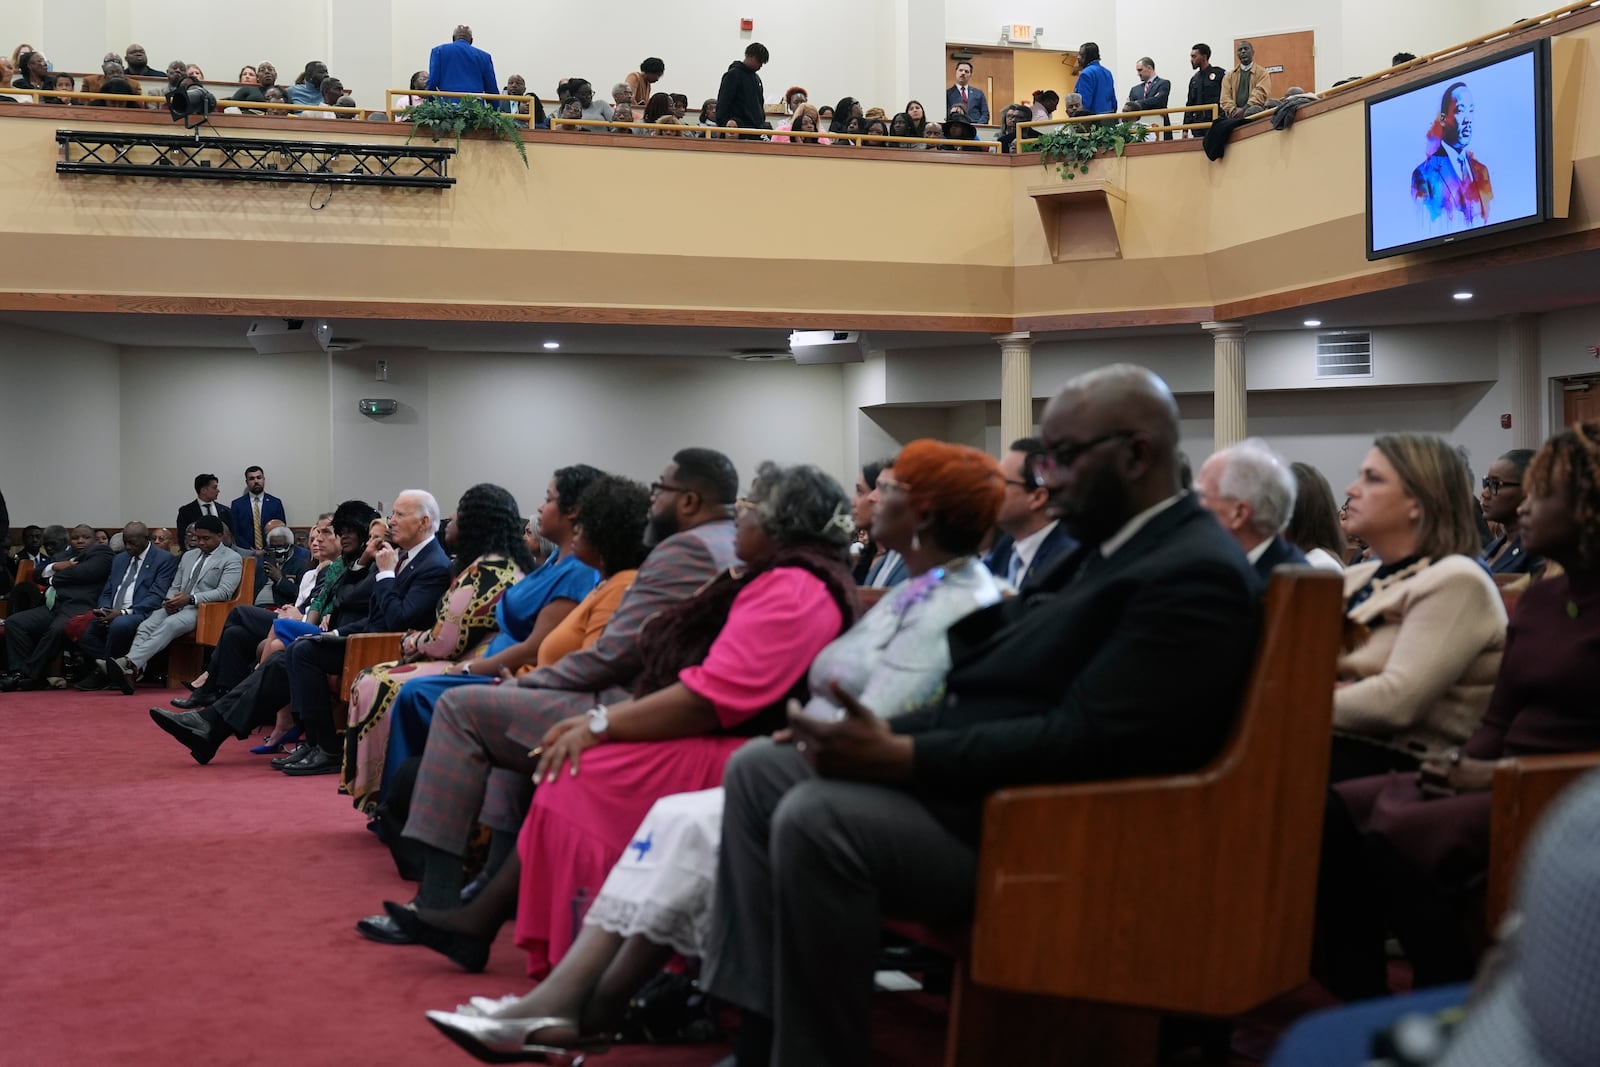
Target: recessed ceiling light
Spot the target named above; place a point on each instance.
(552, 344)
(1463, 295)
(1313, 322)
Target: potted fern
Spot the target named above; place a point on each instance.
(1078, 144)
(441, 116)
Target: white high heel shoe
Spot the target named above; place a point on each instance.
(507, 1040)
(486, 1005)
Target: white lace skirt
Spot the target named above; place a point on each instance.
(662, 886)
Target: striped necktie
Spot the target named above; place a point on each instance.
(255, 505)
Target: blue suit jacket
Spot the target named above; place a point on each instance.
(1279, 553)
(244, 531)
(459, 67)
(1097, 89)
(977, 108)
(1056, 544)
(409, 600)
(150, 588)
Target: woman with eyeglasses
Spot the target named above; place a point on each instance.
(1406, 853)
(934, 508)
(1501, 497)
(1425, 622)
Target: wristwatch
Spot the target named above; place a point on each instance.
(599, 723)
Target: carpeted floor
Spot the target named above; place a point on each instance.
(160, 912)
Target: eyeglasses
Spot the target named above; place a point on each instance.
(1020, 483)
(657, 488)
(1049, 460)
(1494, 485)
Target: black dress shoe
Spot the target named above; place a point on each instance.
(295, 755)
(9, 683)
(469, 951)
(200, 735)
(318, 762)
(382, 929)
(120, 678)
(199, 698)
(91, 682)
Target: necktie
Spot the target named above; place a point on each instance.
(1242, 97)
(255, 504)
(1015, 572)
(963, 96)
(1147, 90)
(207, 509)
(194, 576)
(127, 583)
(400, 564)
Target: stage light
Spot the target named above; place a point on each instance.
(189, 100)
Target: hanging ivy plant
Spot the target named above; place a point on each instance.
(1078, 144)
(441, 116)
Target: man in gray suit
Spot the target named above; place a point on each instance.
(207, 573)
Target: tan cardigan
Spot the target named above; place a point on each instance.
(1422, 680)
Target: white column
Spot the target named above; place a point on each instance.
(1229, 421)
(361, 50)
(918, 36)
(1520, 358)
(1016, 387)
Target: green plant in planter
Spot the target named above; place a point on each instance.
(442, 116)
(1076, 145)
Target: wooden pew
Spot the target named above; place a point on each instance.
(360, 652)
(1524, 787)
(186, 656)
(1102, 906)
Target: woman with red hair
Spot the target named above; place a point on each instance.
(935, 504)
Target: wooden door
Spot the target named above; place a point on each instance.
(1291, 59)
(1581, 405)
(992, 71)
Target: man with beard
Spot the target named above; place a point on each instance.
(307, 89)
(1451, 186)
(1128, 657)
(478, 751)
(138, 65)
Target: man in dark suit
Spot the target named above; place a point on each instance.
(281, 566)
(968, 97)
(252, 511)
(1149, 93)
(73, 584)
(461, 68)
(141, 574)
(1129, 657)
(477, 754)
(406, 578)
(206, 490)
(1451, 185)
(1030, 537)
(1251, 491)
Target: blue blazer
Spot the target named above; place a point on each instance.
(150, 588)
(977, 108)
(1056, 544)
(1276, 555)
(244, 531)
(1516, 561)
(409, 600)
(460, 67)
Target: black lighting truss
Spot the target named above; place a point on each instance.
(252, 159)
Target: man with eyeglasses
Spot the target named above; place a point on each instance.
(1030, 537)
(480, 744)
(1128, 657)
(1501, 497)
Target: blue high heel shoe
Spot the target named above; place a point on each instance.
(293, 734)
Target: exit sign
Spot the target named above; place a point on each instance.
(1018, 33)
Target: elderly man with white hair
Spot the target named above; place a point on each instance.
(407, 575)
(1251, 490)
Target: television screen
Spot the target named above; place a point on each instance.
(1463, 154)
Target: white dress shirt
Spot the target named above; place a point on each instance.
(411, 554)
(1023, 551)
(130, 580)
(1135, 524)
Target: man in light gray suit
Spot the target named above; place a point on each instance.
(208, 573)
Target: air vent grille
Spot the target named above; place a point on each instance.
(1344, 354)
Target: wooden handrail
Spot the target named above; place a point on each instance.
(733, 132)
(1456, 49)
(390, 94)
(158, 103)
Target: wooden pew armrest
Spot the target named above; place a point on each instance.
(209, 621)
(365, 650)
(1524, 787)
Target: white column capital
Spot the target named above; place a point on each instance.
(1233, 331)
(1023, 339)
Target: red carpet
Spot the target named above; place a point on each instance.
(159, 912)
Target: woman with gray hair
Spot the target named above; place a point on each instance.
(718, 669)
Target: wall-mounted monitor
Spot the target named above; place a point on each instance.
(1463, 154)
